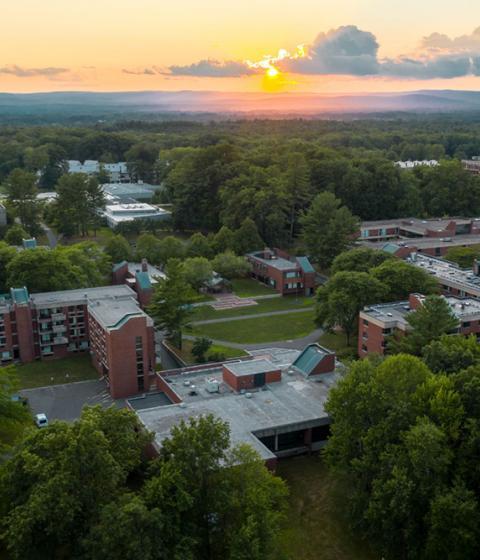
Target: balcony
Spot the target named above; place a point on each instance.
(58, 316)
(60, 340)
(59, 328)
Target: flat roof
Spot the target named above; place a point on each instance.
(448, 273)
(153, 271)
(276, 262)
(68, 297)
(112, 313)
(462, 308)
(258, 365)
(292, 403)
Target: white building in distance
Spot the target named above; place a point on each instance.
(116, 214)
(118, 172)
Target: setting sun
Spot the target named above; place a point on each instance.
(272, 72)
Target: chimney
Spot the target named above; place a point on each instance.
(476, 267)
(144, 265)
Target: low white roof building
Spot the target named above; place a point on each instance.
(121, 213)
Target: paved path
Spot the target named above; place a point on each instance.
(52, 238)
(249, 316)
(296, 344)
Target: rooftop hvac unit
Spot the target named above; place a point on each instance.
(212, 385)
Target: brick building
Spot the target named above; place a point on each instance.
(273, 399)
(452, 279)
(107, 322)
(434, 237)
(141, 277)
(282, 272)
(378, 322)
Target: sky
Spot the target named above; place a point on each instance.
(325, 46)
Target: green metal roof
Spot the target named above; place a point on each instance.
(305, 264)
(143, 280)
(391, 248)
(19, 295)
(311, 356)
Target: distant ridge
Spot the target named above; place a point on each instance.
(298, 104)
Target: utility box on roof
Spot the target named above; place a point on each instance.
(250, 374)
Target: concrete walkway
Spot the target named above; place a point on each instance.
(250, 316)
(52, 239)
(296, 344)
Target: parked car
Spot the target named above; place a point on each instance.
(41, 420)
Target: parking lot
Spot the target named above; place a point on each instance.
(65, 402)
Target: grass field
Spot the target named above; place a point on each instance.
(248, 287)
(206, 312)
(54, 372)
(314, 528)
(260, 329)
(186, 352)
(338, 343)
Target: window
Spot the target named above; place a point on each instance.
(387, 331)
(365, 322)
(293, 274)
(364, 348)
(466, 324)
(365, 335)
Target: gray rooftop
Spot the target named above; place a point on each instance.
(112, 313)
(448, 274)
(276, 262)
(294, 402)
(252, 367)
(73, 297)
(396, 312)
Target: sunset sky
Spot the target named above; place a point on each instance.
(226, 45)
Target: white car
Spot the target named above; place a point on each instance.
(41, 420)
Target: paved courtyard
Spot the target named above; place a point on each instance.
(65, 402)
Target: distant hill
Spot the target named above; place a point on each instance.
(88, 105)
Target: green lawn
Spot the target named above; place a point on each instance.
(248, 287)
(260, 329)
(315, 528)
(186, 352)
(338, 343)
(54, 372)
(206, 312)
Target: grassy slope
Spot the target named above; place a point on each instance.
(338, 342)
(40, 373)
(206, 312)
(314, 528)
(186, 354)
(260, 329)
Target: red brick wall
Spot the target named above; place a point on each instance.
(121, 357)
(326, 365)
(372, 343)
(247, 381)
(120, 275)
(162, 385)
(23, 315)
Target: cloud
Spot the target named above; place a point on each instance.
(49, 72)
(346, 50)
(351, 51)
(144, 72)
(445, 66)
(212, 68)
(444, 42)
